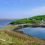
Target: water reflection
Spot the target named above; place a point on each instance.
(35, 32)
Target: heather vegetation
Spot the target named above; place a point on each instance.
(9, 37)
(13, 38)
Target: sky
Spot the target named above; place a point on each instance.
(14, 9)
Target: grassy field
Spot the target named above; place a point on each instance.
(8, 37)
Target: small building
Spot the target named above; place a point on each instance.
(42, 22)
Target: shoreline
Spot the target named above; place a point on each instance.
(19, 37)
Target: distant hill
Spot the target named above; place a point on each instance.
(41, 17)
(34, 19)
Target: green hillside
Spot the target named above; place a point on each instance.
(41, 17)
(31, 20)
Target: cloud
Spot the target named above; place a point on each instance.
(38, 11)
(23, 13)
(34, 12)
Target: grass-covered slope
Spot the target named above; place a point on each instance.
(14, 38)
(9, 37)
(31, 20)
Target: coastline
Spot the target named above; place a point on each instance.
(19, 37)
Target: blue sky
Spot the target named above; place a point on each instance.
(21, 8)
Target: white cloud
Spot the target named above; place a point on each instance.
(38, 11)
(34, 12)
(24, 13)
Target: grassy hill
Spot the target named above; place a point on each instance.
(41, 17)
(14, 38)
(31, 20)
(8, 37)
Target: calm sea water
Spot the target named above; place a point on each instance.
(4, 23)
(35, 32)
